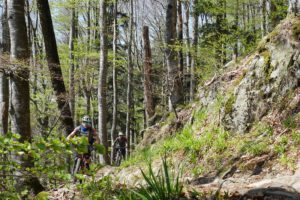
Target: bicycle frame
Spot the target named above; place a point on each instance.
(119, 156)
(81, 163)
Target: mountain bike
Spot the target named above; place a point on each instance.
(81, 165)
(119, 156)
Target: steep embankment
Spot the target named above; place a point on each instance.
(244, 132)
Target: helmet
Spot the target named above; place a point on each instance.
(86, 119)
(121, 133)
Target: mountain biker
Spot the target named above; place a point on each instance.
(86, 130)
(121, 143)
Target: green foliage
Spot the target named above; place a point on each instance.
(49, 160)
(105, 189)
(229, 103)
(257, 148)
(166, 185)
(281, 147)
(42, 196)
(296, 29)
(290, 123)
(288, 161)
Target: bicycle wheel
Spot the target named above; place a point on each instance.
(77, 166)
(118, 158)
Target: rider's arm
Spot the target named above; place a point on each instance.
(72, 134)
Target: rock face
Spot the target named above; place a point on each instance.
(294, 7)
(267, 78)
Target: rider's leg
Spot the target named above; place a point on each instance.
(123, 150)
(88, 160)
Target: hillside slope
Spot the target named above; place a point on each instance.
(242, 136)
(245, 127)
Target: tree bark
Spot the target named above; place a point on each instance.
(4, 83)
(174, 81)
(86, 86)
(54, 66)
(102, 81)
(187, 33)
(236, 45)
(294, 7)
(264, 17)
(180, 40)
(148, 93)
(19, 80)
(129, 80)
(73, 39)
(115, 95)
(195, 46)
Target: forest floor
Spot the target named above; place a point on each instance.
(280, 184)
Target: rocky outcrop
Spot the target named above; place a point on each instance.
(272, 74)
(262, 81)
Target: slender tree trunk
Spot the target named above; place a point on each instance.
(187, 33)
(29, 30)
(264, 17)
(294, 7)
(244, 16)
(180, 40)
(73, 39)
(54, 66)
(195, 46)
(129, 80)
(148, 94)
(253, 16)
(115, 97)
(87, 88)
(236, 45)
(102, 81)
(20, 106)
(174, 81)
(4, 83)
(248, 16)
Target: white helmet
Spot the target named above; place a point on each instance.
(121, 133)
(86, 119)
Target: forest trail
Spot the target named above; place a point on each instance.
(262, 185)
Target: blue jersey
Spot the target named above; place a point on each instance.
(82, 131)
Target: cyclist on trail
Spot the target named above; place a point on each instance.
(121, 143)
(86, 130)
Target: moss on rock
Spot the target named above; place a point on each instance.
(229, 104)
(296, 29)
(268, 68)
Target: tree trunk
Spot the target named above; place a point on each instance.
(187, 33)
(148, 93)
(174, 82)
(129, 80)
(180, 40)
(195, 46)
(73, 38)
(20, 106)
(115, 97)
(86, 86)
(102, 81)
(264, 17)
(54, 66)
(236, 45)
(294, 7)
(4, 84)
